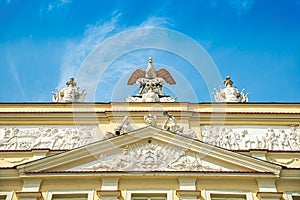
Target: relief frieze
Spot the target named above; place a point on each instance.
(26, 138)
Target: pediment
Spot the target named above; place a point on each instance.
(150, 149)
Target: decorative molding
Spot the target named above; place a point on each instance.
(285, 163)
(108, 193)
(148, 192)
(70, 193)
(188, 193)
(149, 156)
(269, 195)
(24, 138)
(29, 195)
(31, 185)
(266, 185)
(187, 184)
(245, 138)
(227, 193)
(109, 184)
(14, 160)
(8, 195)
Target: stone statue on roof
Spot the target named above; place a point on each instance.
(229, 93)
(69, 94)
(150, 84)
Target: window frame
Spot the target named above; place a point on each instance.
(8, 195)
(130, 193)
(89, 193)
(247, 193)
(289, 195)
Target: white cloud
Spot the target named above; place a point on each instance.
(54, 5)
(242, 6)
(77, 52)
(154, 21)
(15, 74)
(58, 4)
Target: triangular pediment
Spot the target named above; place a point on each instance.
(150, 149)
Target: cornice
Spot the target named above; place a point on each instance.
(269, 114)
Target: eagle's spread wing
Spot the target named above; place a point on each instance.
(163, 73)
(135, 76)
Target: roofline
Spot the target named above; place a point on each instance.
(111, 102)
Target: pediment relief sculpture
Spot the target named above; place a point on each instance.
(152, 156)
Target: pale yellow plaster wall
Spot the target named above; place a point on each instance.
(285, 185)
(85, 183)
(226, 184)
(149, 183)
(11, 185)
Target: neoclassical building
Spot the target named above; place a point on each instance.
(150, 147)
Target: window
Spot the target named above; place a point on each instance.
(293, 195)
(70, 195)
(6, 195)
(148, 195)
(227, 195)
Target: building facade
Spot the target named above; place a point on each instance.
(149, 150)
(149, 147)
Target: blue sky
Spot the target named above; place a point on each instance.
(43, 43)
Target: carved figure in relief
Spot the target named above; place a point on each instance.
(281, 139)
(182, 162)
(44, 137)
(270, 139)
(69, 93)
(294, 138)
(123, 162)
(234, 140)
(170, 124)
(124, 127)
(150, 120)
(151, 156)
(229, 93)
(10, 140)
(246, 139)
(283, 142)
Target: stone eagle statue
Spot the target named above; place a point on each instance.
(151, 73)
